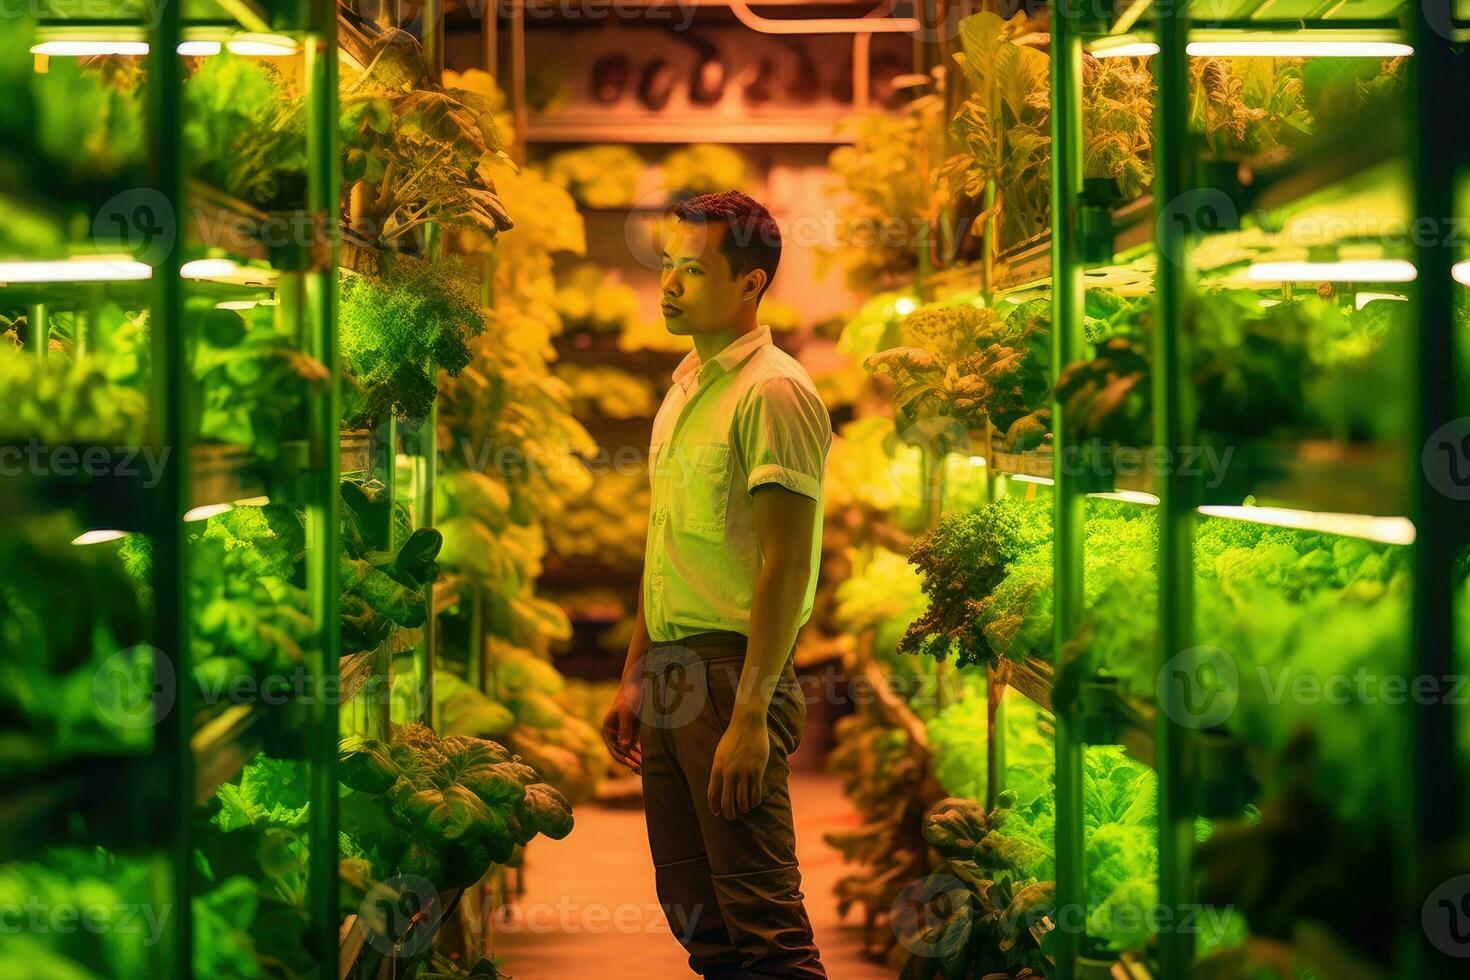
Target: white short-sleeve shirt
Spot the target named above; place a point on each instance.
(750, 416)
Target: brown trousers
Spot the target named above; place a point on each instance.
(730, 889)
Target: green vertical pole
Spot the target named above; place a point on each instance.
(323, 510)
(995, 741)
(388, 469)
(169, 433)
(1435, 813)
(1173, 428)
(434, 37)
(428, 446)
(38, 321)
(1069, 501)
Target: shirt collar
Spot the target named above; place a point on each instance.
(726, 360)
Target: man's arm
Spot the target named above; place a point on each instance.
(784, 523)
(620, 728)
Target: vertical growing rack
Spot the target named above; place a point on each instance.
(167, 240)
(1150, 242)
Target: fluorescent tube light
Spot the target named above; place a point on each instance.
(261, 45)
(1296, 46)
(1126, 49)
(977, 460)
(205, 511)
(102, 269)
(1461, 272)
(1266, 304)
(1045, 481)
(209, 268)
(1386, 530)
(1128, 497)
(237, 304)
(89, 48)
(1361, 300)
(252, 501)
(1352, 270)
(98, 536)
(245, 45)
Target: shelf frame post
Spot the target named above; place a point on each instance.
(169, 434)
(1069, 500)
(323, 510)
(1173, 428)
(1436, 801)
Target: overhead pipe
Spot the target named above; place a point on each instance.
(823, 25)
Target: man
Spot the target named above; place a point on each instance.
(709, 707)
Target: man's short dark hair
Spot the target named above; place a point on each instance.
(751, 240)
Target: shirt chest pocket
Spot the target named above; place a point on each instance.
(696, 483)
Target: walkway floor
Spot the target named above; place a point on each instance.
(589, 908)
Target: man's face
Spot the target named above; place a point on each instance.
(700, 292)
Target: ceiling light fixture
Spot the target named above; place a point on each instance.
(98, 536)
(117, 268)
(1386, 530)
(1349, 270)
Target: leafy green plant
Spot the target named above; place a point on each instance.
(60, 401)
(1247, 108)
(592, 297)
(245, 131)
(605, 175)
(1117, 123)
(1291, 367)
(254, 380)
(81, 878)
(890, 178)
(445, 810)
(381, 588)
(413, 152)
(251, 617)
(1341, 92)
(963, 560)
(397, 331)
(885, 779)
(1004, 125)
(88, 117)
(964, 363)
(67, 610)
(704, 168)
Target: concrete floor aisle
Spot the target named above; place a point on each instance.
(590, 910)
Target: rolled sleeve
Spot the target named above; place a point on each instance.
(784, 433)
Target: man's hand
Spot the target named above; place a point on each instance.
(737, 779)
(620, 727)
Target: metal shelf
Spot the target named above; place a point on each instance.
(1339, 171)
(1135, 15)
(223, 746)
(1030, 678)
(668, 129)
